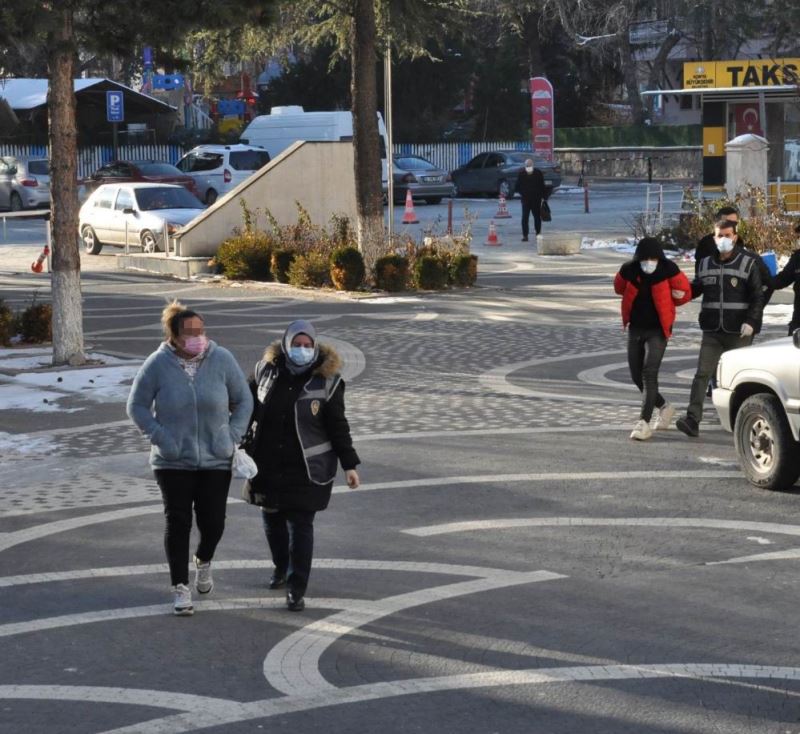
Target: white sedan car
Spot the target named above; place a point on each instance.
(758, 399)
(135, 214)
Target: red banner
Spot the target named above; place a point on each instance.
(542, 118)
(748, 119)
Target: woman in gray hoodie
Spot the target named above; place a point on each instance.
(191, 399)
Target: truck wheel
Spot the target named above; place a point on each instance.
(768, 453)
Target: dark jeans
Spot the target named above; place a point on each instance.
(290, 535)
(713, 344)
(207, 491)
(535, 208)
(645, 352)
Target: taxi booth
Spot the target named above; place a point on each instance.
(757, 96)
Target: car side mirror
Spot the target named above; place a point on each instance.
(796, 338)
(129, 210)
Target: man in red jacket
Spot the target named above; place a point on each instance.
(651, 286)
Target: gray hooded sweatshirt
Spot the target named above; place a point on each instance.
(192, 424)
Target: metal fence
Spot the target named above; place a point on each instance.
(452, 155)
(90, 159)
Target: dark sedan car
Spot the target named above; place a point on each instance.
(422, 178)
(140, 171)
(496, 172)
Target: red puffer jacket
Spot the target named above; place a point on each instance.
(668, 277)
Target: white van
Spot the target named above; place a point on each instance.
(217, 169)
(286, 125)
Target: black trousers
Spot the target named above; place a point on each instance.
(205, 491)
(645, 351)
(290, 536)
(532, 207)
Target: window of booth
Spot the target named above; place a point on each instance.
(791, 142)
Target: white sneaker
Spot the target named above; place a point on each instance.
(641, 431)
(203, 581)
(665, 415)
(182, 601)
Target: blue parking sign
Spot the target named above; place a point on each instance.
(115, 106)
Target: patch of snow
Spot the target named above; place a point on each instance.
(778, 313)
(21, 443)
(104, 384)
(389, 300)
(15, 397)
(760, 541)
(626, 245)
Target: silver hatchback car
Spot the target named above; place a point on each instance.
(24, 183)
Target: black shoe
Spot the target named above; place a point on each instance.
(277, 581)
(524, 239)
(295, 602)
(688, 425)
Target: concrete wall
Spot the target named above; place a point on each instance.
(318, 175)
(631, 163)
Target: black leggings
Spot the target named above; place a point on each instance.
(207, 491)
(645, 351)
(290, 535)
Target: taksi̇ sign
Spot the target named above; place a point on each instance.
(740, 73)
(542, 117)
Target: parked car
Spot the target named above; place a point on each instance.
(24, 183)
(136, 212)
(216, 169)
(422, 178)
(146, 171)
(496, 173)
(758, 399)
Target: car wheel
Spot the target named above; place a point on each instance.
(91, 244)
(767, 451)
(434, 200)
(149, 241)
(456, 190)
(16, 202)
(211, 196)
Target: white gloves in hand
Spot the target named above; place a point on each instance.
(677, 295)
(746, 331)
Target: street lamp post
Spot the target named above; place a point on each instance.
(387, 107)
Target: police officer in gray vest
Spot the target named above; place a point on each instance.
(298, 436)
(730, 313)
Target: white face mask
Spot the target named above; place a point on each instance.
(529, 169)
(648, 266)
(724, 244)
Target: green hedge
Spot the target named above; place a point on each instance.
(628, 135)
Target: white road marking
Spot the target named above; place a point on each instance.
(469, 681)
(292, 666)
(785, 555)
(598, 375)
(760, 541)
(568, 522)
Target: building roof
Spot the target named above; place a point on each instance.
(27, 94)
(777, 90)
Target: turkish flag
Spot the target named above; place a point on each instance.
(748, 120)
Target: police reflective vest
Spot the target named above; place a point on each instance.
(318, 454)
(731, 292)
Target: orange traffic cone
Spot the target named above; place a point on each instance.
(492, 239)
(502, 209)
(37, 266)
(409, 215)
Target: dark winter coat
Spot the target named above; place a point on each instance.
(732, 292)
(530, 186)
(790, 275)
(706, 247)
(288, 478)
(667, 277)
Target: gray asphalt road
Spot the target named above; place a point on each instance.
(513, 563)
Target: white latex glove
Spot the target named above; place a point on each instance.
(746, 331)
(352, 478)
(677, 295)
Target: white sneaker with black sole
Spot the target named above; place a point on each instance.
(203, 581)
(182, 600)
(641, 431)
(665, 416)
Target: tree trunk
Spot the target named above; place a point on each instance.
(364, 92)
(658, 71)
(66, 261)
(628, 64)
(533, 45)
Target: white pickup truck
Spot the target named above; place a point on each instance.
(758, 399)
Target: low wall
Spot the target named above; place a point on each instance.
(318, 175)
(667, 163)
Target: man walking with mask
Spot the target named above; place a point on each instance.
(531, 188)
(730, 314)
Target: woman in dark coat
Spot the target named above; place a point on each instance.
(651, 287)
(298, 437)
(790, 275)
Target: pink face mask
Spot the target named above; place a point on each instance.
(195, 345)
